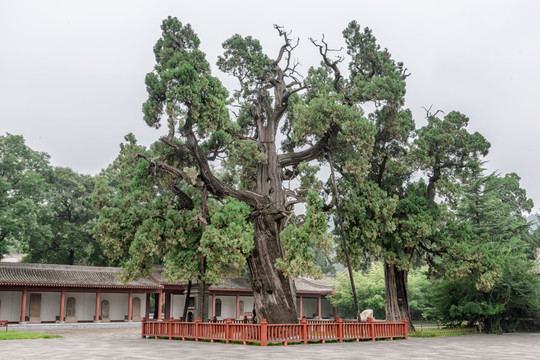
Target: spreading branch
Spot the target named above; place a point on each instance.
(215, 185)
(295, 158)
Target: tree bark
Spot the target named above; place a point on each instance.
(397, 294)
(202, 301)
(274, 293)
(186, 302)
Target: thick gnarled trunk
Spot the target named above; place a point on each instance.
(397, 294)
(202, 301)
(274, 293)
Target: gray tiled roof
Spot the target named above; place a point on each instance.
(158, 276)
(237, 283)
(302, 285)
(305, 284)
(22, 274)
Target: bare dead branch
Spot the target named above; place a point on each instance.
(428, 112)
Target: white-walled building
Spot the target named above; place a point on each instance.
(41, 293)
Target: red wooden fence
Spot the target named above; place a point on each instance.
(265, 333)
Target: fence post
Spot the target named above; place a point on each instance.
(340, 329)
(143, 327)
(406, 328)
(228, 330)
(197, 328)
(264, 332)
(371, 328)
(169, 329)
(304, 329)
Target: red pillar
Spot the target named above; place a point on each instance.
(237, 306)
(23, 306)
(62, 302)
(159, 304)
(130, 305)
(98, 300)
(213, 305)
(301, 306)
(319, 307)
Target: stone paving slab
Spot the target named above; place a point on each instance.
(507, 346)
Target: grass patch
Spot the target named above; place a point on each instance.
(442, 332)
(15, 335)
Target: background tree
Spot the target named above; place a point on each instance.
(23, 193)
(372, 292)
(368, 174)
(502, 289)
(388, 214)
(71, 218)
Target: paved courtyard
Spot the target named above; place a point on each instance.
(125, 343)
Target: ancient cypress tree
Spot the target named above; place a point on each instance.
(261, 149)
(310, 116)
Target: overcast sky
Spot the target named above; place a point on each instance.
(72, 72)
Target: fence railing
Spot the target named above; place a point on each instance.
(265, 333)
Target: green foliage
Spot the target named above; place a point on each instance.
(71, 218)
(499, 286)
(140, 220)
(303, 241)
(514, 294)
(447, 331)
(18, 335)
(448, 153)
(244, 59)
(374, 75)
(145, 219)
(370, 288)
(227, 241)
(24, 190)
(182, 76)
(46, 211)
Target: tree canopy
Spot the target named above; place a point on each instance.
(502, 289)
(222, 186)
(23, 191)
(46, 211)
(229, 147)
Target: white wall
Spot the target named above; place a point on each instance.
(118, 304)
(85, 305)
(10, 305)
(248, 304)
(177, 305)
(228, 307)
(142, 297)
(50, 306)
